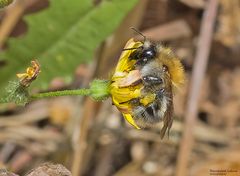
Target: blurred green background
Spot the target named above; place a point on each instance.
(76, 41)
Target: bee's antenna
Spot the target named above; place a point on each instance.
(137, 31)
(124, 49)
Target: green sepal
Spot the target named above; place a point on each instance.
(99, 89)
(16, 93)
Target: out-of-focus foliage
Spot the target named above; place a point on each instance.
(4, 3)
(228, 31)
(62, 36)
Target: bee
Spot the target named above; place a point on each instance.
(161, 73)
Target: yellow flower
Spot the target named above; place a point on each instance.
(30, 74)
(125, 84)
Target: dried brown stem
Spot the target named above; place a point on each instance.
(200, 65)
(33, 113)
(168, 32)
(202, 133)
(13, 14)
(90, 110)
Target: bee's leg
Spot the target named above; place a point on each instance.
(142, 61)
(152, 80)
(133, 55)
(135, 102)
(160, 93)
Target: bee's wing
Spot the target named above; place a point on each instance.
(167, 120)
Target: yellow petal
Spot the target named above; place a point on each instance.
(149, 98)
(124, 64)
(22, 75)
(125, 94)
(122, 87)
(129, 118)
(30, 71)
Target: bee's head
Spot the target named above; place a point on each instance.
(144, 53)
(147, 52)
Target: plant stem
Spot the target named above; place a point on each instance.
(61, 93)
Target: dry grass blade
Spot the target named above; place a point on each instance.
(168, 31)
(200, 65)
(30, 115)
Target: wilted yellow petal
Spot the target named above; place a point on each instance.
(132, 78)
(30, 71)
(30, 74)
(125, 86)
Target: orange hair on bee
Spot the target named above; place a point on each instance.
(174, 66)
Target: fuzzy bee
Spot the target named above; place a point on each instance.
(153, 73)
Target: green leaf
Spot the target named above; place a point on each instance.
(61, 37)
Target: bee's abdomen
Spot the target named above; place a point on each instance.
(149, 115)
(150, 110)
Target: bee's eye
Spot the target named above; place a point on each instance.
(149, 53)
(146, 54)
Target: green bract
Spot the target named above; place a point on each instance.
(100, 89)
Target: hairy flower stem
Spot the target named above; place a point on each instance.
(82, 92)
